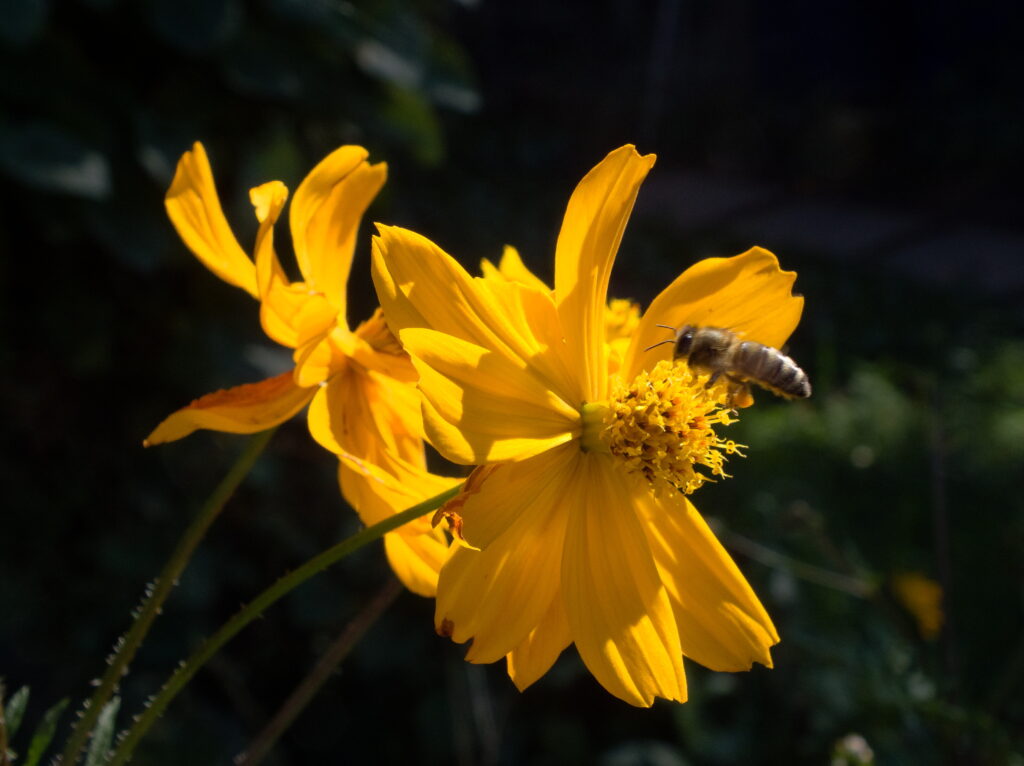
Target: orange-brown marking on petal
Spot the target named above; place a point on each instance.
(446, 629)
(245, 394)
(450, 510)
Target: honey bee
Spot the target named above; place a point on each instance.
(721, 353)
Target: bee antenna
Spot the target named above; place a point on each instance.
(660, 342)
(666, 326)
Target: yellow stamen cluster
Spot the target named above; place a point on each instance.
(661, 424)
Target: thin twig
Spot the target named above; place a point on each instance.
(855, 586)
(324, 668)
(157, 593)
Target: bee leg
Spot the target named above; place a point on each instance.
(713, 379)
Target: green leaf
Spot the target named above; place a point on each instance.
(99, 745)
(43, 734)
(14, 709)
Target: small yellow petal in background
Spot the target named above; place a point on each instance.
(538, 651)
(748, 294)
(922, 597)
(325, 216)
(587, 243)
(618, 610)
(243, 409)
(512, 269)
(194, 209)
(722, 625)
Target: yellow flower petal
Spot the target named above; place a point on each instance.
(722, 625)
(619, 612)
(325, 216)
(285, 308)
(748, 294)
(519, 567)
(367, 415)
(416, 559)
(243, 409)
(587, 243)
(419, 285)
(538, 651)
(482, 407)
(415, 551)
(512, 269)
(194, 209)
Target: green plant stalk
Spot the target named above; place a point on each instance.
(157, 593)
(256, 607)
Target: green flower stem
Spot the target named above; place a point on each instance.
(256, 607)
(318, 676)
(157, 593)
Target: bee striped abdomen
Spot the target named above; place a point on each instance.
(772, 369)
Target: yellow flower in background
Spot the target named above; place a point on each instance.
(359, 384)
(922, 597)
(578, 512)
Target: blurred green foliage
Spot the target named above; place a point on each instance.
(907, 458)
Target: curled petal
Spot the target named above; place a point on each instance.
(722, 625)
(325, 216)
(748, 294)
(194, 209)
(285, 308)
(587, 243)
(243, 409)
(618, 610)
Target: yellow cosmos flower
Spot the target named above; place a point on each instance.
(579, 509)
(359, 384)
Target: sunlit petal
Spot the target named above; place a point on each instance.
(538, 651)
(243, 409)
(488, 399)
(520, 566)
(748, 294)
(619, 612)
(722, 625)
(416, 559)
(587, 243)
(325, 216)
(419, 285)
(194, 209)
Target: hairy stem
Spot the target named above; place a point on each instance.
(157, 593)
(256, 607)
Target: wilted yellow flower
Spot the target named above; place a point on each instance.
(359, 384)
(579, 510)
(922, 597)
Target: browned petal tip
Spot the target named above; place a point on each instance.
(446, 628)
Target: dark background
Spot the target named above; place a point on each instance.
(875, 147)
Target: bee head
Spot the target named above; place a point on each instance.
(684, 341)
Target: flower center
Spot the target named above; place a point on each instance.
(661, 425)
